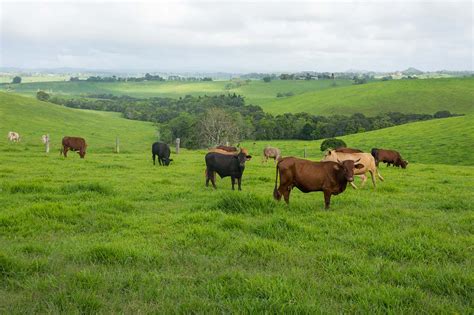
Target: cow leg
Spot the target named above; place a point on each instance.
(364, 179)
(327, 199)
(65, 151)
(372, 176)
(378, 175)
(213, 179)
(154, 157)
(286, 194)
(232, 178)
(239, 181)
(159, 160)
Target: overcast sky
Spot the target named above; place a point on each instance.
(233, 36)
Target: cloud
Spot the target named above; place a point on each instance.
(237, 36)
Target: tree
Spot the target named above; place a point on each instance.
(16, 80)
(267, 79)
(332, 143)
(216, 126)
(42, 96)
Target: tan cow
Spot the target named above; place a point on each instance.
(273, 153)
(13, 136)
(364, 158)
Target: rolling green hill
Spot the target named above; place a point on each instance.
(256, 92)
(406, 96)
(439, 141)
(32, 118)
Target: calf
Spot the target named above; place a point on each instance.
(74, 144)
(389, 157)
(226, 165)
(162, 150)
(13, 136)
(270, 152)
(328, 177)
(365, 158)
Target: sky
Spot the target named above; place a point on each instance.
(237, 36)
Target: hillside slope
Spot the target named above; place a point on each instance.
(256, 92)
(406, 96)
(439, 141)
(32, 118)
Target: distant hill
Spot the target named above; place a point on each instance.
(407, 96)
(32, 118)
(438, 141)
(412, 71)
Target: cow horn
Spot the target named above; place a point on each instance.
(357, 161)
(339, 161)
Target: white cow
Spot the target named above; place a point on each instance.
(13, 136)
(45, 139)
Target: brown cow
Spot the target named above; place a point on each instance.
(365, 158)
(227, 152)
(74, 144)
(348, 150)
(389, 157)
(308, 176)
(227, 148)
(270, 152)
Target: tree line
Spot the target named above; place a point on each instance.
(201, 121)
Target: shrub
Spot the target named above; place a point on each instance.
(332, 143)
(442, 114)
(42, 96)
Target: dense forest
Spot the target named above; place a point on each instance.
(207, 120)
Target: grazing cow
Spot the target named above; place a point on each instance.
(348, 150)
(226, 165)
(389, 157)
(328, 177)
(74, 144)
(365, 158)
(270, 152)
(13, 136)
(162, 150)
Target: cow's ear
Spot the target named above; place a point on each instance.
(329, 152)
(359, 166)
(171, 160)
(248, 157)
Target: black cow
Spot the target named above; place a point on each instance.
(163, 151)
(225, 165)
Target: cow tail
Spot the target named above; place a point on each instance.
(276, 193)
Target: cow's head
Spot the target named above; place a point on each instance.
(167, 161)
(246, 152)
(403, 163)
(348, 167)
(242, 157)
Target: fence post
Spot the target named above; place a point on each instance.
(117, 145)
(177, 145)
(47, 143)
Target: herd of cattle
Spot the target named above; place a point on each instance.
(331, 175)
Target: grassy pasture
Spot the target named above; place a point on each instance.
(256, 92)
(406, 96)
(317, 97)
(112, 233)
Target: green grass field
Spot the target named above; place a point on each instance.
(256, 92)
(316, 97)
(406, 96)
(113, 234)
